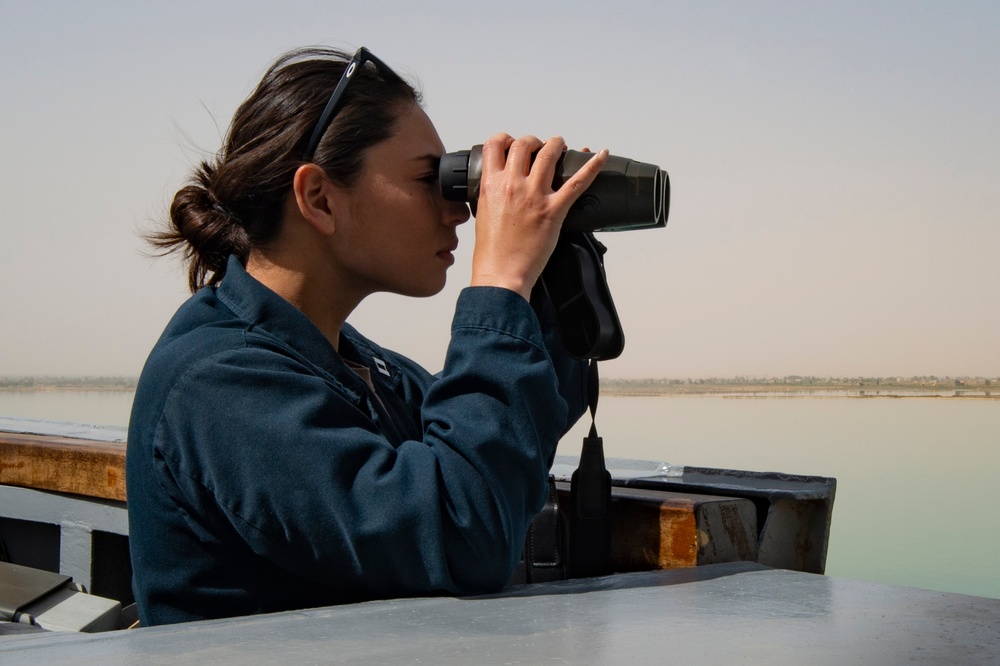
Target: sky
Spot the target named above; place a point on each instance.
(835, 168)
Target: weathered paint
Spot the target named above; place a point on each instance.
(63, 464)
(729, 614)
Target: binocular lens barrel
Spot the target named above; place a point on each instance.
(625, 195)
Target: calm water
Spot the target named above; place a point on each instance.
(916, 494)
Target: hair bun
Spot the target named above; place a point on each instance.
(205, 229)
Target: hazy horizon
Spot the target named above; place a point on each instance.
(763, 379)
(834, 168)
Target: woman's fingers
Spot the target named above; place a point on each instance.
(581, 180)
(519, 157)
(495, 151)
(543, 170)
(519, 213)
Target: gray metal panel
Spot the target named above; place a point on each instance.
(45, 506)
(731, 613)
(19, 586)
(78, 518)
(794, 512)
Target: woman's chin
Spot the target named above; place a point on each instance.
(424, 290)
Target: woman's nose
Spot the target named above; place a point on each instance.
(457, 213)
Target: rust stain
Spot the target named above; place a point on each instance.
(116, 483)
(678, 538)
(4, 466)
(63, 465)
(633, 538)
(732, 522)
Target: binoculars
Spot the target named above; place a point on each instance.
(625, 195)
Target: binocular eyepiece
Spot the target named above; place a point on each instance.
(625, 195)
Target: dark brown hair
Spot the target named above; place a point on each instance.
(236, 202)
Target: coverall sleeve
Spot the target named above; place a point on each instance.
(300, 472)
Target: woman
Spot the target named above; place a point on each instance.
(277, 458)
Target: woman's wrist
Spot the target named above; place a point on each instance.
(486, 279)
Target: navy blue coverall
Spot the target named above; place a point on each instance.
(263, 473)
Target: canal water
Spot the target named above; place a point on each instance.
(917, 501)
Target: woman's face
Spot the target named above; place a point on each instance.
(400, 231)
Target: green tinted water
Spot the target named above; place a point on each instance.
(916, 500)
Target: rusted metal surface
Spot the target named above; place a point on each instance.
(653, 532)
(663, 530)
(63, 464)
(794, 512)
(794, 535)
(727, 532)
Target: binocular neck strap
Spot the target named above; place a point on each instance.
(593, 393)
(591, 480)
(590, 500)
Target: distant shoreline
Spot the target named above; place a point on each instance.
(68, 383)
(75, 387)
(785, 387)
(769, 393)
(973, 388)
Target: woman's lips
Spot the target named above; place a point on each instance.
(447, 255)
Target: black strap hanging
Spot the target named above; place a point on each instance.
(590, 500)
(544, 555)
(575, 282)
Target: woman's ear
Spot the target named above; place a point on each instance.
(316, 198)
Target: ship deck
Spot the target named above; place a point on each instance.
(725, 613)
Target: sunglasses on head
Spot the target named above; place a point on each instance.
(361, 57)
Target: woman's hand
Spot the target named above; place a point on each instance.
(519, 215)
